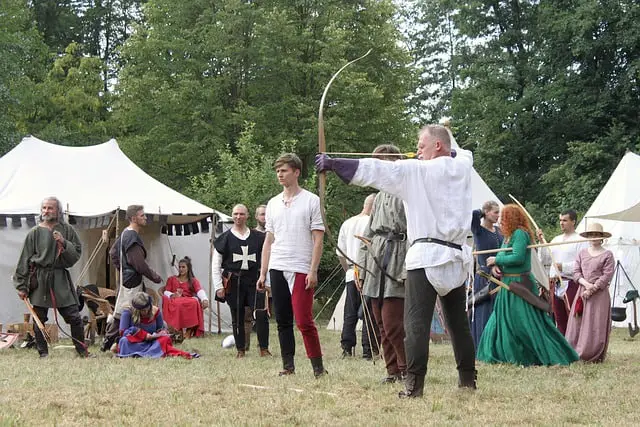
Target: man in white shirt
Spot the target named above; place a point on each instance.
(436, 189)
(354, 226)
(291, 252)
(562, 273)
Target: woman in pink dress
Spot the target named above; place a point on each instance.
(590, 319)
(184, 300)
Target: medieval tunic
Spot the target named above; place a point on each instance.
(588, 333)
(183, 311)
(51, 266)
(49, 262)
(128, 254)
(239, 259)
(517, 332)
(483, 239)
(430, 213)
(387, 231)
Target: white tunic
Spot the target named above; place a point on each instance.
(356, 225)
(437, 197)
(291, 227)
(563, 254)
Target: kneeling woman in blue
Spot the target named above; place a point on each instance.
(517, 332)
(143, 333)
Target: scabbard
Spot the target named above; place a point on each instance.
(523, 290)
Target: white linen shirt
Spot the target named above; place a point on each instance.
(356, 225)
(291, 227)
(563, 254)
(438, 202)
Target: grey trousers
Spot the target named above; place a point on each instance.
(419, 303)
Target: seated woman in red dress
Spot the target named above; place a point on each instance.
(184, 300)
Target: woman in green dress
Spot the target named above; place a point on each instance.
(517, 332)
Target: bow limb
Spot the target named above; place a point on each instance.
(322, 147)
(533, 221)
(557, 277)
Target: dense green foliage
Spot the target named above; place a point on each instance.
(204, 95)
(544, 92)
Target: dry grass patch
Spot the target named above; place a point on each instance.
(214, 390)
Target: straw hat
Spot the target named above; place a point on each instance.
(595, 230)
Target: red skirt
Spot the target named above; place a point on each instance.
(183, 312)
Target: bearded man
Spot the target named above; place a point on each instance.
(42, 274)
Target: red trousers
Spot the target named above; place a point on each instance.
(298, 305)
(560, 310)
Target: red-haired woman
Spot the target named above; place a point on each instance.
(517, 332)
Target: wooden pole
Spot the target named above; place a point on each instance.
(117, 270)
(212, 240)
(212, 237)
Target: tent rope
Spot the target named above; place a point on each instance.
(95, 252)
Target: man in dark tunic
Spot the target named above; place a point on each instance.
(128, 255)
(236, 260)
(42, 275)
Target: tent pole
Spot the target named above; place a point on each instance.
(212, 238)
(117, 271)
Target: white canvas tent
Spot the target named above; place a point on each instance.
(617, 208)
(93, 183)
(481, 193)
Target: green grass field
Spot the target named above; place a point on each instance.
(217, 389)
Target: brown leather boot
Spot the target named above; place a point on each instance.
(240, 354)
(288, 366)
(264, 352)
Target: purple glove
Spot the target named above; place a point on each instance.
(323, 163)
(344, 168)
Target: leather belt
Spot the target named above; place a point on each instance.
(393, 236)
(524, 273)
(438, 242)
